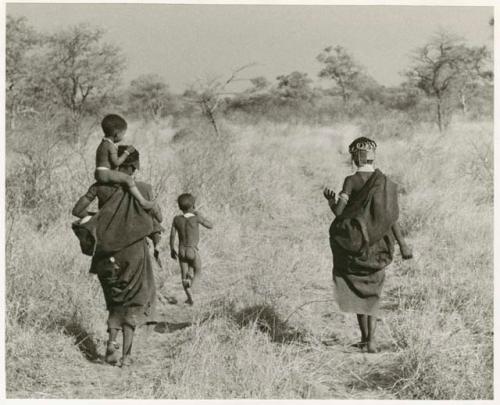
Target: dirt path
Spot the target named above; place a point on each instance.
(341, 372)
(345, 373)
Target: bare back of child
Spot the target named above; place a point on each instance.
(187, 228)
(107, 159)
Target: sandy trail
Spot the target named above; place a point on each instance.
(347, 373)
(155, 348)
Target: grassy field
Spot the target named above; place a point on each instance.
(266, 324)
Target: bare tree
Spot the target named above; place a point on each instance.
(82, 70)
(208, 94)
(440, 67)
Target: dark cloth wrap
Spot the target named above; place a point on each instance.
(117, 237)
(361, 237)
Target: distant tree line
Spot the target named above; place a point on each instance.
(72, 76)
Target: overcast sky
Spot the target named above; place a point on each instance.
(182, 42)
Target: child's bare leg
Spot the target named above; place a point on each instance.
(128, 337)
(146, 204)
(196, 267)
(189, 300)
(114, 176)
(186, 281)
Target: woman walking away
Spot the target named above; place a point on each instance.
(362, 238)
(116, 237)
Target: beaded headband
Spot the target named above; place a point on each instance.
(362, 144)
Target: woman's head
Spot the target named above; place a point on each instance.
(131, 163)
(362, 151)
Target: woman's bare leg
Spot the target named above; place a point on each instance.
(113, 333)
(363, 326)
(128, 337)
(112, 347)
(372, 324)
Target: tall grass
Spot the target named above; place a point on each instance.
(267, 255)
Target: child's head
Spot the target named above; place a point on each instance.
(362, 151)
(186, 202)
(114, 127)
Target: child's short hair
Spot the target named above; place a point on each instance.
(112, 124)
(185, 201)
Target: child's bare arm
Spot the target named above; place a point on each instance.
(204, 221)
(406, 252)
(173, 253)
(114, 158)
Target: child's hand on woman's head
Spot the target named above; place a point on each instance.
(130, 149)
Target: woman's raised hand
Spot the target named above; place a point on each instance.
(329, 194)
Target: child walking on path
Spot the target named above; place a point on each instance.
(362, 238)
(107, 159)
(187, 227)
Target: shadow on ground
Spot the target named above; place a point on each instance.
(378, 377)
(168, 327)
(268, 321)
(84, 340)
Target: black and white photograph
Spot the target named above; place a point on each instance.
(249, 201)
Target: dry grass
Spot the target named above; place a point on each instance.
(267, 255)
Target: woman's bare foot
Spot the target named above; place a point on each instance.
(359, 345)
(370, 347)
(125, 362)
(112, 354)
